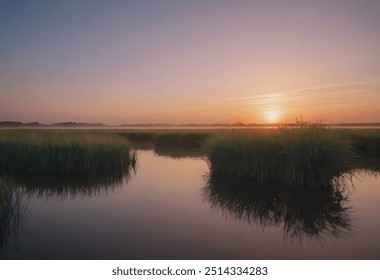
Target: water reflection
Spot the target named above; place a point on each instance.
(15, 192)
(161, 209)
(13, 205)
(305, 214)
(71, 187)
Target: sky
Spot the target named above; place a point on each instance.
(193, 61)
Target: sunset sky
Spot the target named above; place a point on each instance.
(190, 61)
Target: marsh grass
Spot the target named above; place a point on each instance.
(60, 153)
(314, 155)
(244, 154)
(307, 155)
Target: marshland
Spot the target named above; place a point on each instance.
(309, 191)
(165, 129)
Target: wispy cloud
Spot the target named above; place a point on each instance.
(276, 96)
(338, 85)
(306, 97)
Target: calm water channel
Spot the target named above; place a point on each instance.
(170, 209)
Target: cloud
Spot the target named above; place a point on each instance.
(299, 93)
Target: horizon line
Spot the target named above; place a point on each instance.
(237, 123)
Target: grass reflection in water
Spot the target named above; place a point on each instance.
(305, 214)
(13, 205)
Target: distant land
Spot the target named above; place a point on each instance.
(37, 124)
(15, 124)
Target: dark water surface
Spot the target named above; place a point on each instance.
(170, 209)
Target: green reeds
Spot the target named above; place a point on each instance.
(56, 153)
(311, 155)
(244, 154)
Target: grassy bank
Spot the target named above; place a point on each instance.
(181, 138)
(311, 155)
(365, 142)
(56, 153)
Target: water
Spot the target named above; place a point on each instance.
(170, 209)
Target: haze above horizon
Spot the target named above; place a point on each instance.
(120, 62)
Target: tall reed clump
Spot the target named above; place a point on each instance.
(307, 155)
(52, 153)
(244, 154)
(313, 155)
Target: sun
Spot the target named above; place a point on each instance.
(272, 116)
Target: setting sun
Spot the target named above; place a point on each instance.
(272, 116)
